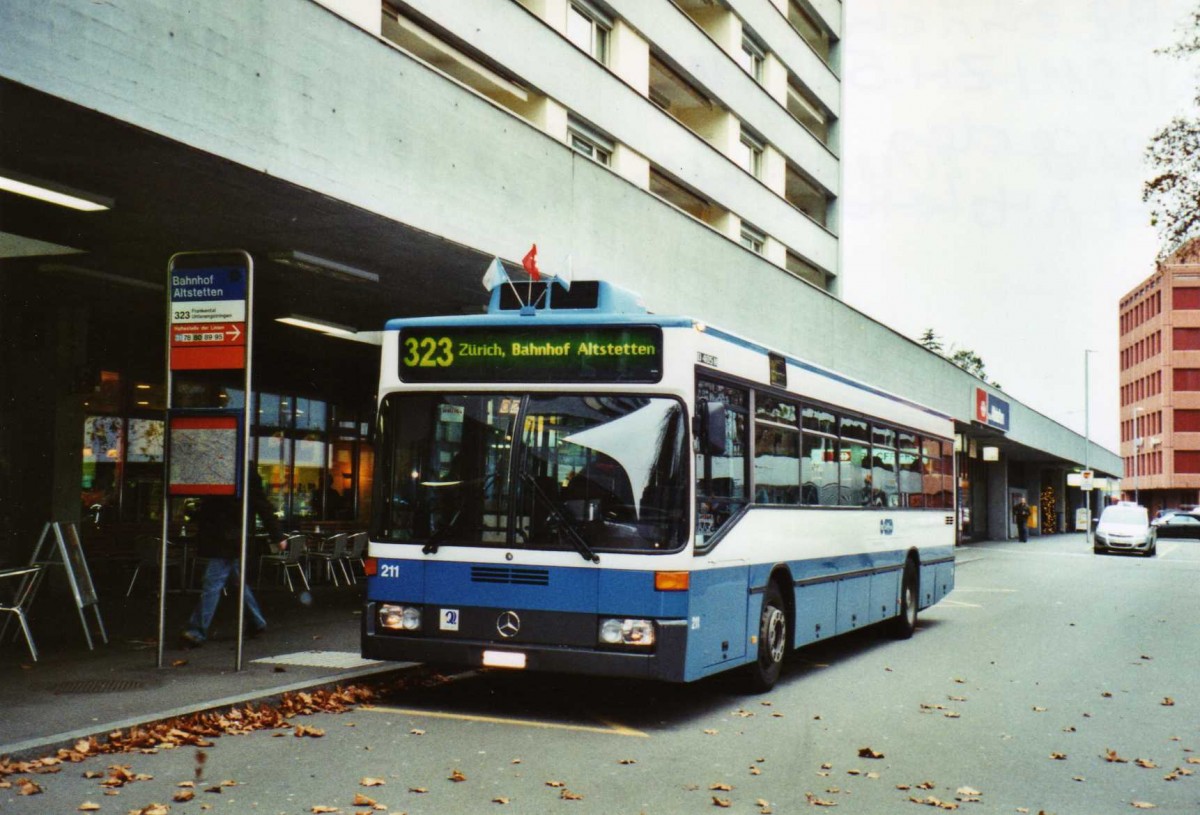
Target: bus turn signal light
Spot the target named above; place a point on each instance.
(671, 581)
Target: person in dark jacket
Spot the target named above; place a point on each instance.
(1021, 514)
(219, 539)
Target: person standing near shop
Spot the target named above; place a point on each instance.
(1021, 516)
(219, 539)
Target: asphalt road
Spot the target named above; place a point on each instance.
(1041, 684)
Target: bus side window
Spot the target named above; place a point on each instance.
(721, 479)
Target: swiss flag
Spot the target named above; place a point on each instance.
(530, 263)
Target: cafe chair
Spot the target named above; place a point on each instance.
(332, 553)
(146, 550)
(292, 558)
(22, 595)
(356, 553)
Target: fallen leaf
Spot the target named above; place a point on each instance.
(818, 802)
(1145, 763)
(88, 806)
(304, 730)
(567, 795)
(556, 783)
(1078, 778)
(1106, 695)
(418, 790)
(1111, 757)
(371, 782)
(361, 800)
(500, 800)
(957, 698)
(1059, 756)
(178, 663)
(416, 732)
(26, 786)
(1167, 702)
(456, 776)
(183, 795)
(710, 732)
(754, 770)
(628, 761)
(722, 802)
(719, 787)
(867, 752)
(1141, 805)
(322, 808)
(950, 714)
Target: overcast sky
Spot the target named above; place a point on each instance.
(993, 163)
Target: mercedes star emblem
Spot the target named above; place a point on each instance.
(508, 624)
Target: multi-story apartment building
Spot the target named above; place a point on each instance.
(1160, 383)
(373, 158)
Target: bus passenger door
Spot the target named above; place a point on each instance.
(717, 614)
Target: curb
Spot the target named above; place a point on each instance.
(40, 747)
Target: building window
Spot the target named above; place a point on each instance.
(753, 239)
(590, 142)
(803, 105)
(679, 196)
(811, 31)
(806, 271)
(805, 195)
(589, 28)
(751, 58)
(750, 154)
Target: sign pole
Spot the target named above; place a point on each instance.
(241, 616)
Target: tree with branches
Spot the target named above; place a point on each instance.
(1173, 192)
(964, 358)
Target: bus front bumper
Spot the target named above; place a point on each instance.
(666, 662)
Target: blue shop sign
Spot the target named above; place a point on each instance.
(991, 410)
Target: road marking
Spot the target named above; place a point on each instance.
(960, 589)
(610, 728)
(1167, 548)
(959, 604)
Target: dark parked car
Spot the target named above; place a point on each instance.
(1178, 524)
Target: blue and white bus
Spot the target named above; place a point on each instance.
(582, 486)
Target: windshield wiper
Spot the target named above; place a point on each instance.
(580, 544)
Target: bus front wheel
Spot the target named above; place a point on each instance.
(905, 623)
(763, 673)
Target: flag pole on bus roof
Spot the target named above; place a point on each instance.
(497, 275)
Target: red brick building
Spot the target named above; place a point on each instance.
(1160, 383)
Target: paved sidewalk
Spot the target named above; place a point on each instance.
(72, 692)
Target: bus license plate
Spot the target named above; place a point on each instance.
(503, 659)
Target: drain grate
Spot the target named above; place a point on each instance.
(99, 686)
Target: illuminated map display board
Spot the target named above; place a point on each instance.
(531, 354)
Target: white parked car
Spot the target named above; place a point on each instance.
(1125, 527)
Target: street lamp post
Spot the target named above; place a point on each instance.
(1137, 446)
(1087, 436)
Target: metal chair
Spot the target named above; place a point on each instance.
(147, 549)
(24, 593)
(333, 553)
(356, 553)
(290, 558)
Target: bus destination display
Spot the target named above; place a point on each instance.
(531, 354)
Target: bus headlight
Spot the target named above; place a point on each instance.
(627, 632)
(399, 618)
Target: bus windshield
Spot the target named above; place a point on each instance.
(590, 472)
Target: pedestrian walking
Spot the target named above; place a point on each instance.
(219, 539)
(1021, 516)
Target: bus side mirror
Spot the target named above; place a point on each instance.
(710, 427)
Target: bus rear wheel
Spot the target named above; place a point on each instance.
(763, 673)
(903, 625)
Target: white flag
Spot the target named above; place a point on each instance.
(496, 275)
